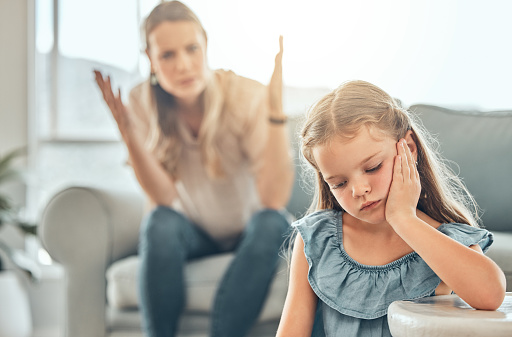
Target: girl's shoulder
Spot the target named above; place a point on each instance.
(323, 223)
(317, 217)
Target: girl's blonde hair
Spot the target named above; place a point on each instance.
(355, 104)
(165, 141)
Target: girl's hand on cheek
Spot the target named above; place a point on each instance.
(405, 188)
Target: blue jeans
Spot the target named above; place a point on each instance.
(168, 240)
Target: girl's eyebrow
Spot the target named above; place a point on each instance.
(364, 161)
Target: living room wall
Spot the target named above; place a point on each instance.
(14, 92)
(13, 70)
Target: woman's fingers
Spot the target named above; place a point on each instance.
(276, 82)
(114, 104)
(279, 56)
(99, 79)
(277, 75)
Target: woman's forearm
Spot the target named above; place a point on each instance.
(152, 177)
(275, 177)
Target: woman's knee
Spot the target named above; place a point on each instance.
(163, 225)
(270, 222)
(267, 229)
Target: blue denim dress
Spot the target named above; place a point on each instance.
(354, 298)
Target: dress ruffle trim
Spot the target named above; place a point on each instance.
(364, 291)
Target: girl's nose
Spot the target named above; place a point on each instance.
(360, 188)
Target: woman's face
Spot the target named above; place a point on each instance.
(359, 172)
(177, 52)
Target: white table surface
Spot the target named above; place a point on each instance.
(448, 315)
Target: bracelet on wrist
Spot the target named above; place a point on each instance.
(281, 120)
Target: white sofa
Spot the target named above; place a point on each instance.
(93, 233)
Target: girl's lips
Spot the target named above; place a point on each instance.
(369, 205)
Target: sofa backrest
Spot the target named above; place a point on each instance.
(479, 144)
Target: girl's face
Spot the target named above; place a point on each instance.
(177, 52)
(359, 172)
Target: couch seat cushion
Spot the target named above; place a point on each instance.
(202, 277)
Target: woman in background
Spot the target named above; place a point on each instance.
(211, 152)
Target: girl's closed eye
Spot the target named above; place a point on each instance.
(374, 169)
(333, 187)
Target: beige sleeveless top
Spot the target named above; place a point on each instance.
(220, 206)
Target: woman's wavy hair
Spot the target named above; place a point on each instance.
(355, 104)
(165, 140)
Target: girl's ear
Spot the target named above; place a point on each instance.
(410, 139)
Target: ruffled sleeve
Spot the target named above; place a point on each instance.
(468, 235)
(364, 291)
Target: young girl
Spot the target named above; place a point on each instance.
(210, 150)
(390, 221)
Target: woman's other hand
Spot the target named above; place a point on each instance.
(275, 86)
(116, 106)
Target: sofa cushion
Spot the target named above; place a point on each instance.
(202, 277)
(501, 253)
(479, 144)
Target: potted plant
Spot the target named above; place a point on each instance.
(15, 317)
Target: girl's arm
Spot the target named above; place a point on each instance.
(275, 177)
(300, 305)
(152, 177)
(471, 275)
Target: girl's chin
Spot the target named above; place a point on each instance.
(374, 219)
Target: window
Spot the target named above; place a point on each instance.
(441, 52)
(72, 39)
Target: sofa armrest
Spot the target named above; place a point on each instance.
(86, 229)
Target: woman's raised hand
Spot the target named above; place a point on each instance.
(405, 187)
(116, 106)
(275, 86)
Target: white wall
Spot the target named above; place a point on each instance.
(13, 74)
(13, 93)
